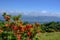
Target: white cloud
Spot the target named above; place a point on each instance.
(44, 11)
(32, 13)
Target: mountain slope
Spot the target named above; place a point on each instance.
(40, 19)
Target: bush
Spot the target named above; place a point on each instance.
(14, 29)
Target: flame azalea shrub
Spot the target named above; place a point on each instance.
(15, 30)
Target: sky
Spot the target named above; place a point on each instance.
(31, 7)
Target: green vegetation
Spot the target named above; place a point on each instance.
(48, 36)
(50, 27)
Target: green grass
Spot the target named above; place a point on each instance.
(48, 36)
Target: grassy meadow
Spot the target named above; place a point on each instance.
(48, 36)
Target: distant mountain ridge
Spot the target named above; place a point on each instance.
(40, 19)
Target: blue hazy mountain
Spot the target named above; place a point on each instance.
(40, 19)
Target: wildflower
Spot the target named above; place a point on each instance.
(28, 26)
(18, 36)
(21, 28)
(24, 28)
(14, 27)
(1, 31)
(28, 33)
(6, 24)
(6, 17)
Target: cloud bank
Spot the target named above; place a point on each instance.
(33, 13)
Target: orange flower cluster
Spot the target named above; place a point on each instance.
(21, 29)
(6, 17)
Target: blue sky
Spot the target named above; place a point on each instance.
(29, 7)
